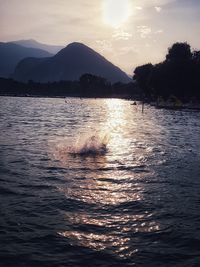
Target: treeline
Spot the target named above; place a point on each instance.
(178, 75)
(88, 86)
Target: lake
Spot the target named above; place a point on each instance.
(96, 182)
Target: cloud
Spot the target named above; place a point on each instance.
(153, 3)
(104, 45)
(121, 35)
(138, 8)
(158, 8)
(158, 31)
(144, 31)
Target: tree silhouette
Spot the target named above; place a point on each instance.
(178, 75)
(179, 52)
(196, 57)
(93, 85)
(141, 75)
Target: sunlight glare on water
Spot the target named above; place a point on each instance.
(107, 179)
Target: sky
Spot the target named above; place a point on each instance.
(129, 33)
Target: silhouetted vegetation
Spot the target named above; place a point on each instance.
(178, 75)
(88, 86)
(94, 85)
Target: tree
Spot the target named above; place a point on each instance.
(93, 85)
(196, 57)
(178, 75)
(141, 75)
(179, 52)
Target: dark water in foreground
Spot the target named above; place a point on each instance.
(136, 204)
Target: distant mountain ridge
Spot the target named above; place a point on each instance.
(69, 64)
(31, 43)
(11, 54)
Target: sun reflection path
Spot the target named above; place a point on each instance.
(105, 189)
(116, 123)
(111, 233)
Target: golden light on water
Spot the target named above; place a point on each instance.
(116, 122)
(107, 183)
(116, 12)
(120, 242)
(115, 111)
(102, 169)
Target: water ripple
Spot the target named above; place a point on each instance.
(135, 204)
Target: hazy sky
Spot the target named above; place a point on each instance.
(127, 32)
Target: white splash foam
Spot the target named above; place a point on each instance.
(95, 144)
(85, 145)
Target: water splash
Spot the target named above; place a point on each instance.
(95, 144)
(86, 145)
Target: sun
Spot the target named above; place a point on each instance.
(116, 12)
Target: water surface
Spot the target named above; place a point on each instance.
(135, 204)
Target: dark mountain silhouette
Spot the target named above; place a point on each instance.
(53, 49)
(69, 64)
(11, 54)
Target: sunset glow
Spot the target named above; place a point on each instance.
(116, 12)
(135, 31)
(99, 123)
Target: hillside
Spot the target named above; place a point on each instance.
(11, 54)
(53, 49)
(69, 64)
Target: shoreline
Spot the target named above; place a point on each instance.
(125, 97)
(185, 107)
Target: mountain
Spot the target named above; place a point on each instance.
(53, 49)
(11, 54)
(69, 64)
